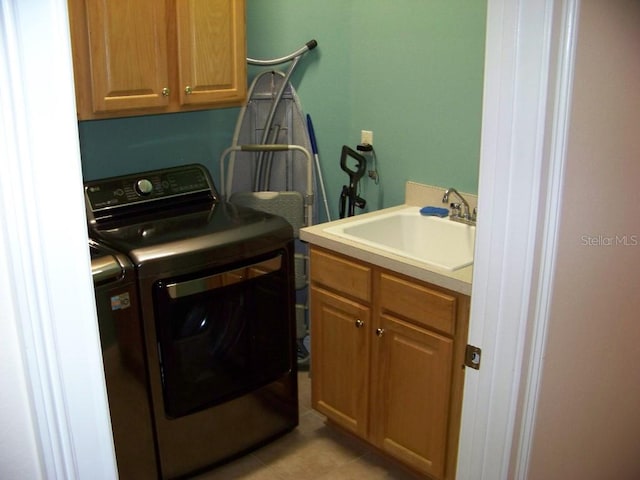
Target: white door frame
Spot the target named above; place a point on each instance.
(46, 291)
(519, 185)
(527, 93)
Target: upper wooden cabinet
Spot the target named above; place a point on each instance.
(157, 56)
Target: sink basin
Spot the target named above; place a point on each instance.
(438, 242)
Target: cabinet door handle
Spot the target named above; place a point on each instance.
(187, 90)
(165, 92)
(379, 331)
(359, 323)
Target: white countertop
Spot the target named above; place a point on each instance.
(458, 281)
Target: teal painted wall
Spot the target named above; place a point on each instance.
(409, 70)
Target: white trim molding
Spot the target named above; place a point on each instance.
(565, 31)
(43, 245)
(518, 191)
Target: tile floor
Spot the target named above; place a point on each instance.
(313, 451)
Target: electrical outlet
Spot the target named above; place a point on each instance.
(366, 137)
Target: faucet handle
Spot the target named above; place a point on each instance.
(455, 209)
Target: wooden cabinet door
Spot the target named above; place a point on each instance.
(128, 54)
(211, 51)
(340, 336)
(411, 394)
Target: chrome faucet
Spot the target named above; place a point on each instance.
(463, 215)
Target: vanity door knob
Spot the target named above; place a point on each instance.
(166, 92)
(188, 90)
(359, 323)
(379, 331)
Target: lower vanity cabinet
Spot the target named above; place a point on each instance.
(387, 359)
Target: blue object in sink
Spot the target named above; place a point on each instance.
(434, 211)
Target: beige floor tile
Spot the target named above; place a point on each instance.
(246, 468)
(371, 466)
(304, 392)
(313, 451)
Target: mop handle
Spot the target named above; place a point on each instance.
(314, 149)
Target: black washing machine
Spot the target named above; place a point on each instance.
(124, 362)
(215, 286)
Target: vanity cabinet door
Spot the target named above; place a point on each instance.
(411, 400)
(340, 336)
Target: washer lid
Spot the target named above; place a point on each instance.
(183, 232)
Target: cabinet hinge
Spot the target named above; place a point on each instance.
(472, 357)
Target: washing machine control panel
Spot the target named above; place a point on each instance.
(131, 190)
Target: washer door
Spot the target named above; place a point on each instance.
(223, 334)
